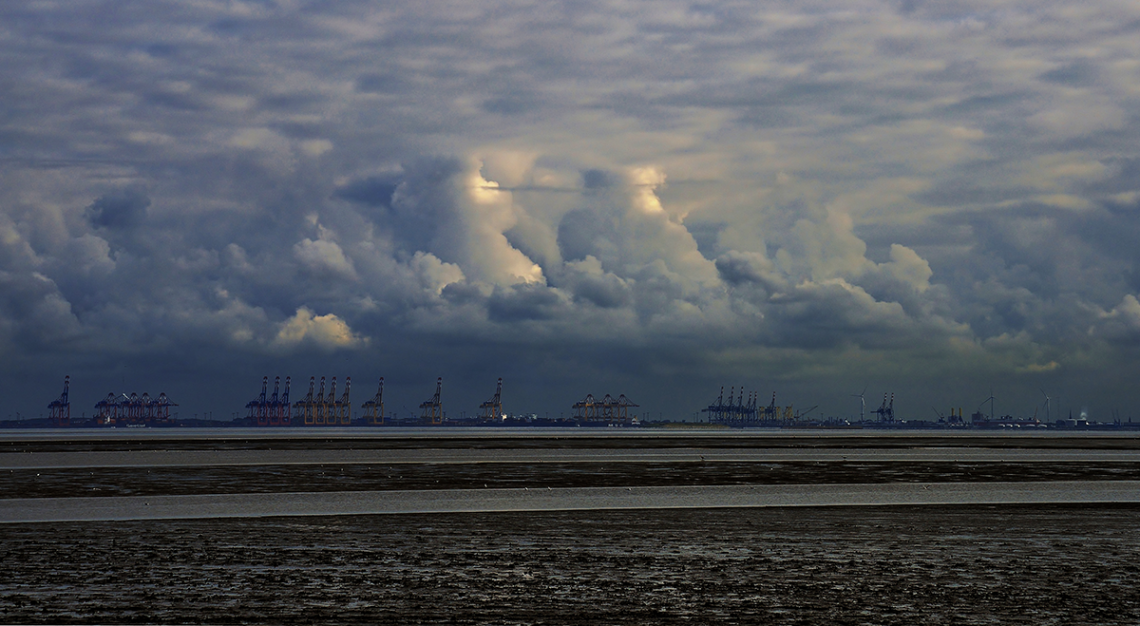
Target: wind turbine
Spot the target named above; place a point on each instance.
(1046, 404)
(862, 402)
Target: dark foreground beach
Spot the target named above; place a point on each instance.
(906, 565)
(1044, 563)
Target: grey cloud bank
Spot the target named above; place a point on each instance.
(649, 198)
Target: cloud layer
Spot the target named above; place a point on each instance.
(934, 199)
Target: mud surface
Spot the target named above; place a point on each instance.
(442, 438)
(1043, 564)
(921, 565)
(72, 482)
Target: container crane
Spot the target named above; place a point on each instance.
(324, 403)
(259, 408)
(342, 408)
(886, 412)
(493, 409)
(303, 409)
(278, 409)
(374, 408)
(60, 409)
(283, 408)
(586, 409)
(432, 409)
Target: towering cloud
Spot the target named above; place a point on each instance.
(938, 199)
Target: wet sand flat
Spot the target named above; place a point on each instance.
(226, 479)
(522, 528)
(491, 438)
(583, 498)
(217, 458)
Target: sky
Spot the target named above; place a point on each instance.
(936, 200)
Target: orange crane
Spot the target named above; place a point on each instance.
(342, 408)
(609, 409)
(303, 409)
(586, 409)
(374, 408)
(493, 409)
(432, 409)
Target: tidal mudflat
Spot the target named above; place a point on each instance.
(870, 565)
(1043, 563)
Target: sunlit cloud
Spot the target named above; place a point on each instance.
(936, 197)
(323, 331)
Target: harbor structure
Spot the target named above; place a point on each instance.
(133, 410)
(271, 410)
(374, 407)
(493, 409)
(319, 408)
(59, 411)
(886, 411)
(431, 410)
(736, 411)
(608, 409)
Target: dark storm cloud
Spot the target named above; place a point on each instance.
(598, 179)
(606, 291)
(585, 232)
(921, 191)
(374, 191)
(119, 209)
(738, 268)
(523, 303)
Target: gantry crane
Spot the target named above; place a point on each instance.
(342, 408)
(432, 409)
(304, 410)
(374, 408)
(60, 409)
(493, 409)
(886, 411)
(259, 408)
(279, 409)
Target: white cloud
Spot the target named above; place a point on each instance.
(825, 249)
(487, 212)
(434, 273)
(1076, 116)
(316, 147)
(256, 138)
(1122, 323)
(327, 332)
(907, 267)
(323, 256)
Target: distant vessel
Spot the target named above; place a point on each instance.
(842, 425)
(979, 420)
